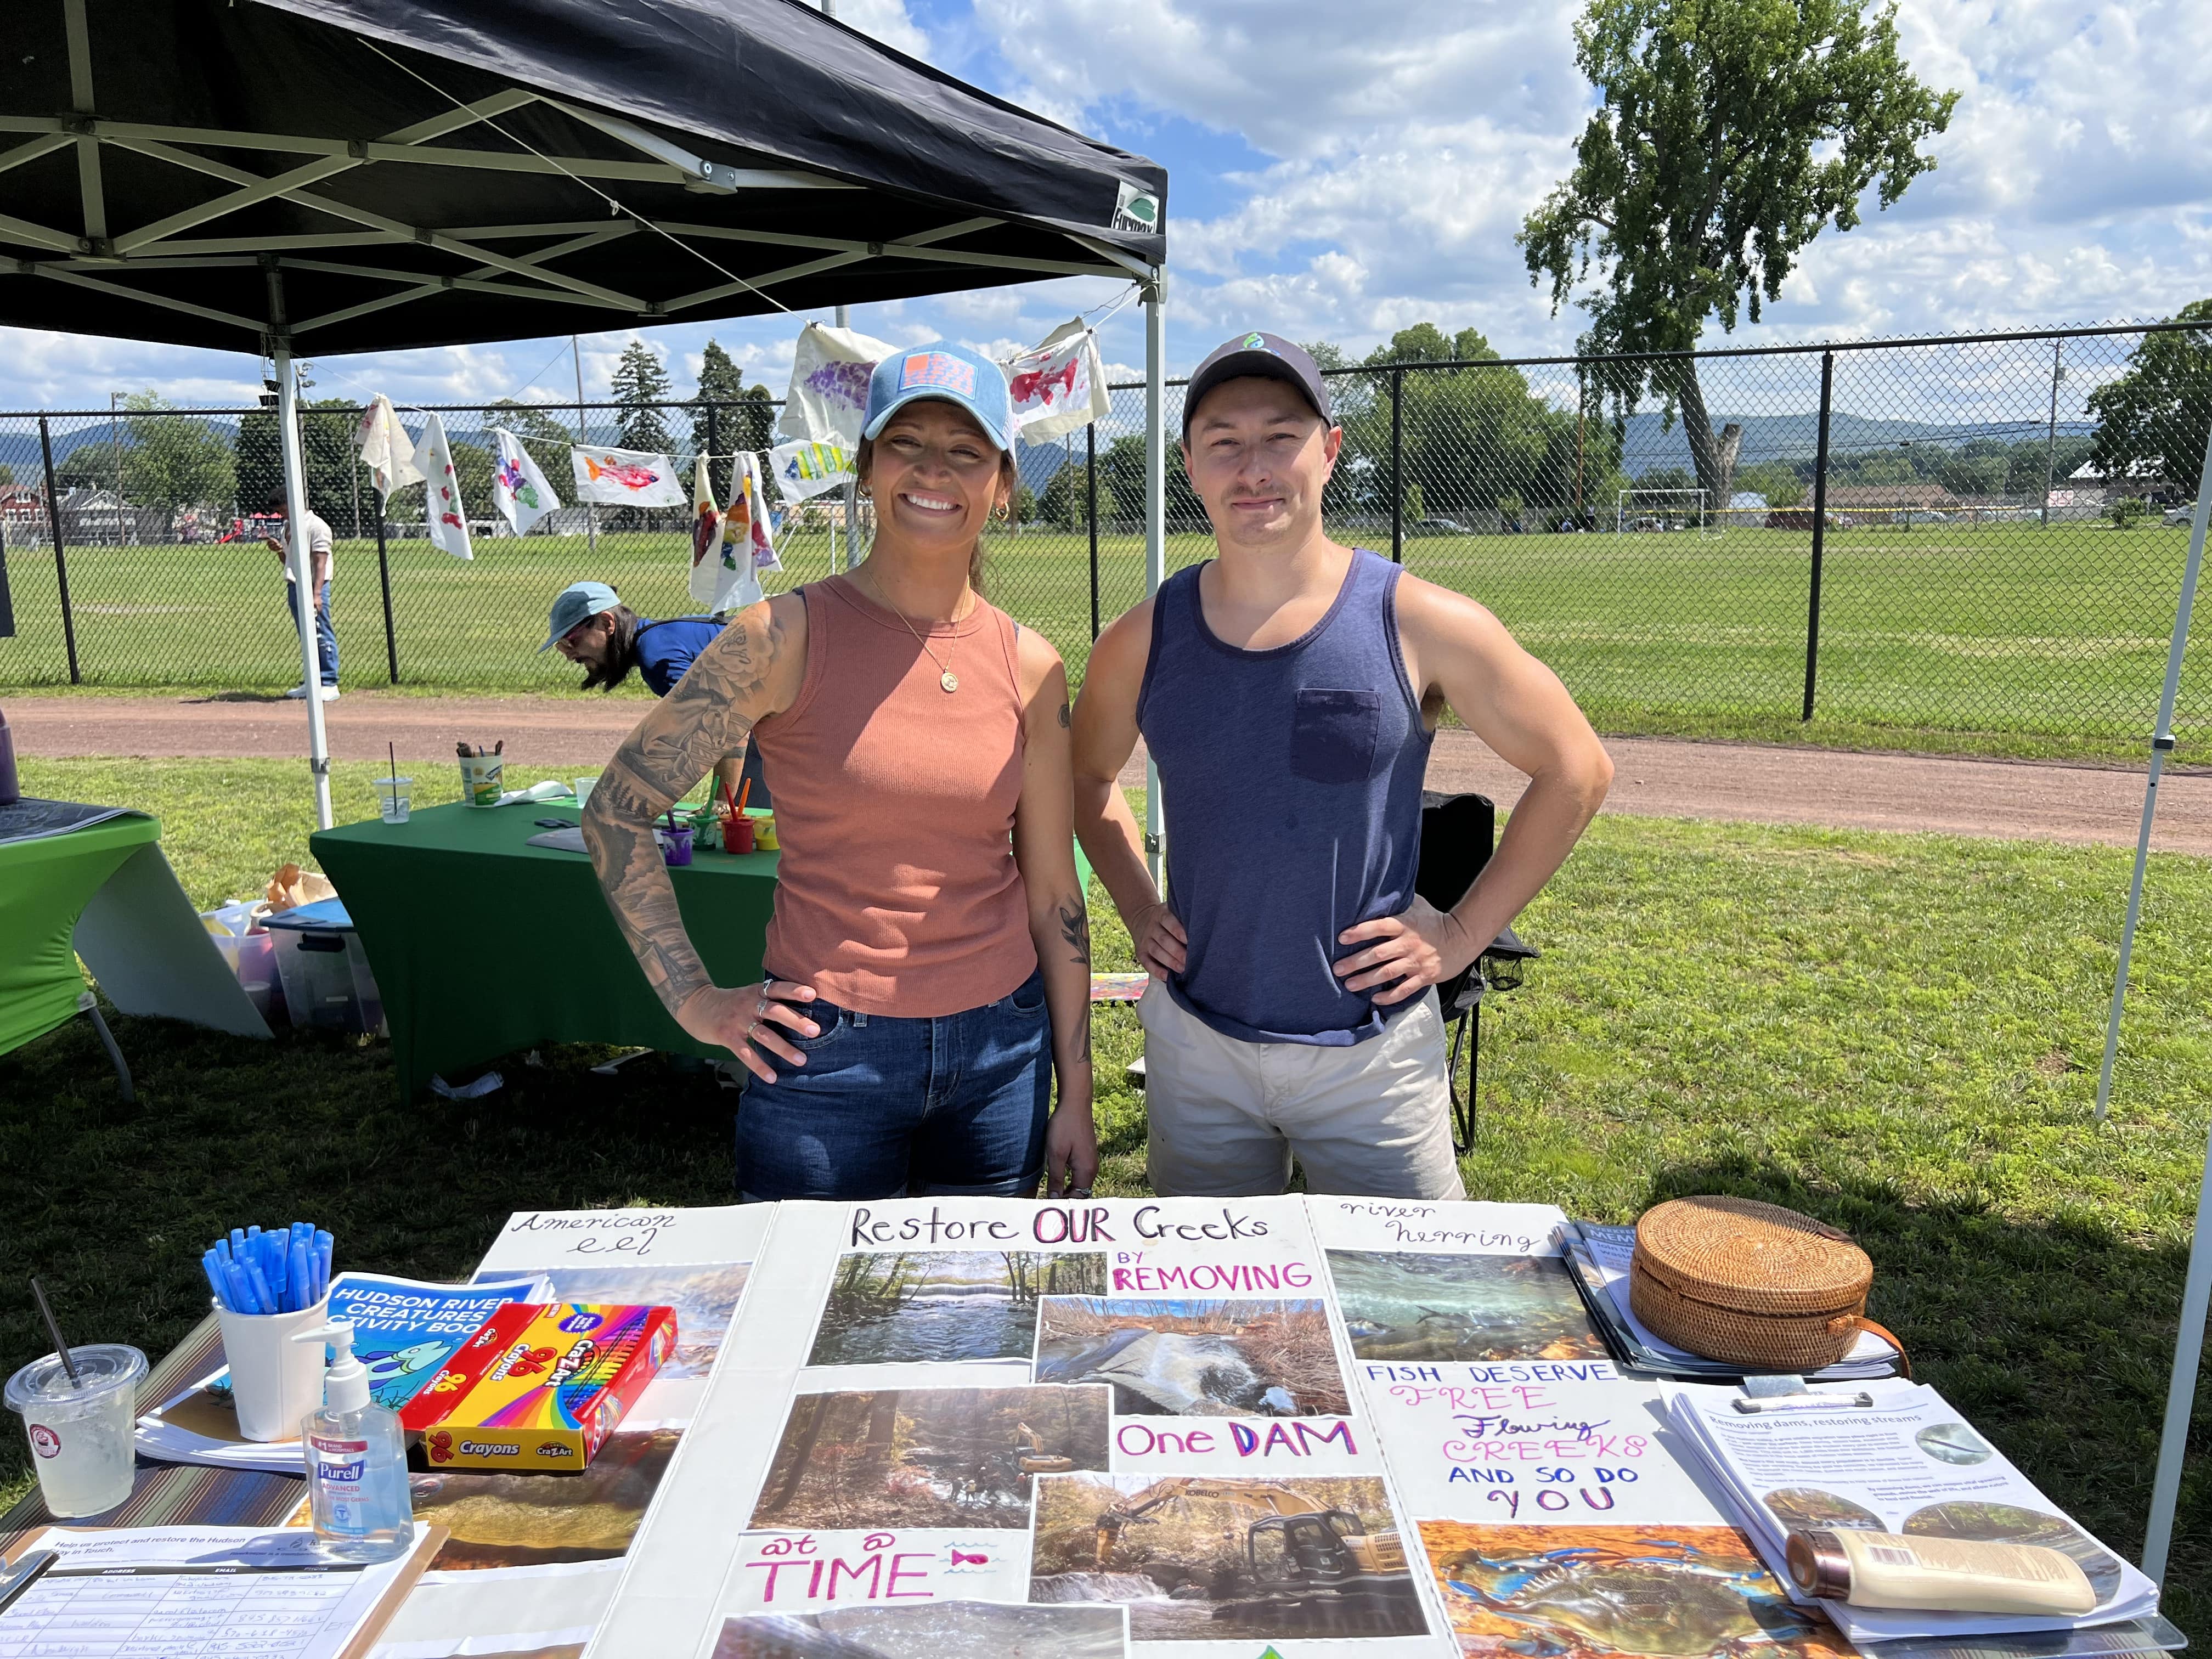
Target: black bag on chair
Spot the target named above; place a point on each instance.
(1458, 834)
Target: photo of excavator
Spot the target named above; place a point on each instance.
(1236, 1554)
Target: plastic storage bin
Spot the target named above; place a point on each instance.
(323, 970)
(252, 962)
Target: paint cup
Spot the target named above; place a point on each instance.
(394, 799)
(80, 1430)
(583, 789)
(675, 845)
(706, 830)
(274, 1381)
(737, 834)
(764, 839)
(482, 778)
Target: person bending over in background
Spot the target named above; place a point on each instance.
(1288, 691)
(594, 628)
(320, 563)
(929, 953)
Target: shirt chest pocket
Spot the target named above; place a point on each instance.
(1333, 735)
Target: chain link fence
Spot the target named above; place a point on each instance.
(1962, 543)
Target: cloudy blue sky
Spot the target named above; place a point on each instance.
(1337, 171)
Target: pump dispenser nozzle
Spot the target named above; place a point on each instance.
(345, 1384)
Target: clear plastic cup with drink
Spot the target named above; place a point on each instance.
(81, 1428)
(583, 789)
(395, 799)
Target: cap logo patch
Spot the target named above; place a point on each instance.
(1255, 343)
(938, 369)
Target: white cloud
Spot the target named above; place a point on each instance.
(887, 21)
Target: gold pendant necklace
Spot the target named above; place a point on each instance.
(945, 676)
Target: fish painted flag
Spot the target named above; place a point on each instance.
(519, 492)
(1059, 386)
(711, 556)
(448, 519)
(805, 468)
(625, 478)
(829, 394)
(385, 449)
(749, 516)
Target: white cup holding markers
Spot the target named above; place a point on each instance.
(78, 1405)
(269, 1287)
(484, 775)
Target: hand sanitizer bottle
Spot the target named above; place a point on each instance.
(357, 1461)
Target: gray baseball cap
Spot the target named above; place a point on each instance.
(1267, 356)
(577, 601)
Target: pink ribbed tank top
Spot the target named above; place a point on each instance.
(897, 893)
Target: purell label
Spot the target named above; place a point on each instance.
(340, 1467)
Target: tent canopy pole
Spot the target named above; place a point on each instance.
(1156, 518)
(303, 598)
(2189, 1340)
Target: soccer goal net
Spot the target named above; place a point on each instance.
(1663, 509)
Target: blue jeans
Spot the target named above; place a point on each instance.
(326, 638)
(885, 1107)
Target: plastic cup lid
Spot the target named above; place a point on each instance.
(102, 1367)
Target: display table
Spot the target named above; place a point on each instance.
(44, 885)
(482, 944)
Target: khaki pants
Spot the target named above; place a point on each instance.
(1227, 1116)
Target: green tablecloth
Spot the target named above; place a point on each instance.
(482, 944)
(44, 885)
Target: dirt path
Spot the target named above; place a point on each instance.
(1744, 782)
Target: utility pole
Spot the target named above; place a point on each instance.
(2051, 440)
(591, 513)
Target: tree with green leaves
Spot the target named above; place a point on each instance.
(172, 461)
(640, 385)
(1730, 134)
(332, 466)
(544, 434)
(2152, 416)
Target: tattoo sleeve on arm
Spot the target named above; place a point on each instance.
(702, 720)
(1075, 928)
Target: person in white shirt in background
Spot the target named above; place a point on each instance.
(319, 571)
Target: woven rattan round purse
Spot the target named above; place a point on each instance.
(1748, 1283)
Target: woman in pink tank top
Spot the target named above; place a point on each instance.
(929, 957)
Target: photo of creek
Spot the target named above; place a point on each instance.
(1402, 1306)
(945, 1630)
(1208, 1558)
(540, 1520)
(927, 1457)
(1197, 1357)
(910, 1307)
(704, 1298)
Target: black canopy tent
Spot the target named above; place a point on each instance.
(334, 176)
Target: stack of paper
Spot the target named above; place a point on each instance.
(1599, 1258)
(1904, 1463)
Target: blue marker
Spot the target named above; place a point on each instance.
(237, 1238)
(265, 1299)
(241, 1289)
(213, 1271)
(301, 1279)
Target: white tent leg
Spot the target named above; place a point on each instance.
(303, 597)
(1156, 518)
(2188, 1341)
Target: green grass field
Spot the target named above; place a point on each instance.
(1898, 1033)
(2001, 639)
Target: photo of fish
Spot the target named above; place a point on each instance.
(540, 1520)
(1213, 1558)
(1798, 1507)
(705, 1299)
(939, 1630)
(927, 1457)
(1196, 1358)
(1398, 1305)
(920, 1307)
(2008, 1523)
(1640, 1592)
(1953, 1442)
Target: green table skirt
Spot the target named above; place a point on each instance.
(43, 887)
(482, 944)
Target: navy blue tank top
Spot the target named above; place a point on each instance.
(1291, 782)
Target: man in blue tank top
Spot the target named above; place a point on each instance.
(1287, 690)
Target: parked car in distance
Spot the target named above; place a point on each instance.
(1443, 526)
(2177, 515)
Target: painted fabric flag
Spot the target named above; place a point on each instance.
(625, 478)
(519, 492)
(830, 384)
(1059, 387)
(805, 470)
(448, 519)
(748, 519)
(711, 557)
(385, 449)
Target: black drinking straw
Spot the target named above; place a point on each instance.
(68, 1360)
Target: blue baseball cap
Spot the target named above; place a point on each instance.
(578, 600)
(941, 369)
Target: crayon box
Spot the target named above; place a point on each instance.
(540, 1387)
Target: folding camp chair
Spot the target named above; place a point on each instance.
(1458, 833)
